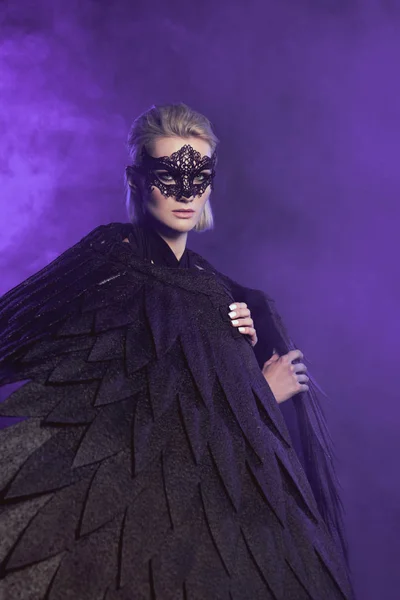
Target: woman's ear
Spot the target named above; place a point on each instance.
(132, 177)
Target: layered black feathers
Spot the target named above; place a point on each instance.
(154, 462)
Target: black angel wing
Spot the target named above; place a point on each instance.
(152, 461)
(28, 310)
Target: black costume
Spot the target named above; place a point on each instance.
(154, 462)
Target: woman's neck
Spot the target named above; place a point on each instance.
(176, 240)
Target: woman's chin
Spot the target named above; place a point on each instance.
(172, 222)
(180, 224)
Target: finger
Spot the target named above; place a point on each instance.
(247, 322)
(236, 305)
(241, 304)
(303, 388)
(294, 355)
(275, 355)
(251, 332)
(273, 358)
(299, 368)
(239, 312)
(247, 330)
(302, 378)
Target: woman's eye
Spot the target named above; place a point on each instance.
(201, 177)
(165, 177)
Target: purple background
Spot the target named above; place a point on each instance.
(304, 95)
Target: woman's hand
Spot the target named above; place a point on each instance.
(284, 378)
(241, 318)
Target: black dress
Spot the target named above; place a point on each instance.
(152, 461)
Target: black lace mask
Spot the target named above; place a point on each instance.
(179, 175)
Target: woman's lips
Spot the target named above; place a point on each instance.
(183, 214)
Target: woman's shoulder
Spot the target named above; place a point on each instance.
(247, 294)
(107, 234)
(203, 263)
(109, 230)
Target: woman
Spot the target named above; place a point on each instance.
(153, 460)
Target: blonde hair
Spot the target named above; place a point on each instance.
(167, 120)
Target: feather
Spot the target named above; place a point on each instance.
(109, 433)
(17, 444)
(36, 581)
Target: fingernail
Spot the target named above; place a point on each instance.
(236, 322)
(242, 329)
(232, 314)
(232, 307)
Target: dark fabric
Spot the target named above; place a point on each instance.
(153, 460)
(151, 247)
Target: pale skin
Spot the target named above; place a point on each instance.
(283, 377)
